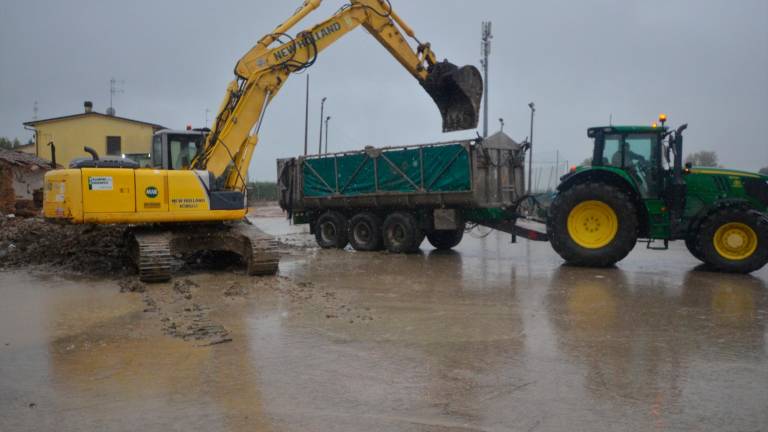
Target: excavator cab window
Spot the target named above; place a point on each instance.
(175, 151)
(183, 149)
(157, 152)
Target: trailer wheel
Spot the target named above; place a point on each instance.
(593, 225)
(734, 241)
(402, 233)
(445, 240)
(365, 232)
(331, 230)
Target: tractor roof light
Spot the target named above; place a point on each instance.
(662, 118)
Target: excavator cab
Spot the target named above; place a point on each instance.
(458, 92)
(175, 150)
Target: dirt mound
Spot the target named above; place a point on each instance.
(97, 250)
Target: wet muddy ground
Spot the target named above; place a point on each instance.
(491, 337)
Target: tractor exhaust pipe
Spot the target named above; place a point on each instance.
(458, 92)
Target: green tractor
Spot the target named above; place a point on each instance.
(637, 188)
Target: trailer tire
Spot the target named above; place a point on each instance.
(365, 232)
(445, 239)
(401, 233)
(734, 240)
(593, 225)
(331, 230)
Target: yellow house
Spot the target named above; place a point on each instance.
(109, 135)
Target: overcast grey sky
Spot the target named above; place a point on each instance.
(704, 62)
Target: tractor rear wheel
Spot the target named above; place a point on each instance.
(692, 243)
(365, 232)
(331, 230)
(402, 233)
(445, 240)
(593, 225)
(734, 241)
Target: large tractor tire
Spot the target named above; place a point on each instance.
(402, 233)
(593, 225)
(445, 240)
(365, 232)
(734, 240)
(692, 243)
(331, 230)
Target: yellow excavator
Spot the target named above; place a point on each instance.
(195, 192)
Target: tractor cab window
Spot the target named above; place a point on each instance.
(612, 151)
(635, 155)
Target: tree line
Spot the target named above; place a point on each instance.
(10, 144)
(262, 191)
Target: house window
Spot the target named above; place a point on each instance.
(114, 147)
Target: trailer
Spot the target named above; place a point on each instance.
(392, 198)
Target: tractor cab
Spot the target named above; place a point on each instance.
(635, 150)
(175, 150)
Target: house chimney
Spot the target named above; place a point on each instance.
(88, 106)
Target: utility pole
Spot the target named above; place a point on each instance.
(532, 106)
(327, 119)
(486, 52)
(322, 114)
(306, 121)
(207, 111)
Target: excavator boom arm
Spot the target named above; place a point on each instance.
(261, 73)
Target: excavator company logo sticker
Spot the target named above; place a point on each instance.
(151, 192)
(100, 183)
(317, 36)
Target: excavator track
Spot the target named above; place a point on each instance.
(263, 259)
(153, 256)
(154, 249)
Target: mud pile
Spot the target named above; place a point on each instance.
(97, 250)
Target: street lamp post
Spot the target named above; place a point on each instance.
(327, 119)
(501, 120)
(306, 121)
(322, 114)
(532, 106)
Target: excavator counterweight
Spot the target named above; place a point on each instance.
(457, 91)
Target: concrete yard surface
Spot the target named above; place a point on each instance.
(491, 337)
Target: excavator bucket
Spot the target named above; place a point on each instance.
(457, 93)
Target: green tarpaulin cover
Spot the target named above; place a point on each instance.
(446, 168)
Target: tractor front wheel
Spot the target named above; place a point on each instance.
(734, 241)
(593, 225)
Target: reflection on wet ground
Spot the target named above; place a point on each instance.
(492, 337)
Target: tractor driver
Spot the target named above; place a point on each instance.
(631, 159)
(636, 165)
